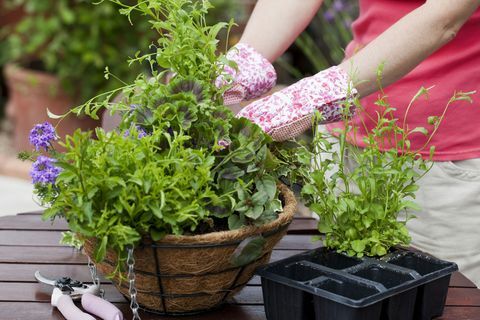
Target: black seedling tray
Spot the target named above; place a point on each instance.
(325, 285)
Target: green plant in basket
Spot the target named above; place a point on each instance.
(179, 163)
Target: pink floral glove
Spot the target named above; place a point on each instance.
(255, 75)
(288, 113)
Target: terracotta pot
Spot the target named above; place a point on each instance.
(30, 94)
(9, 16)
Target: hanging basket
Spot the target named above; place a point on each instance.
(191, 274)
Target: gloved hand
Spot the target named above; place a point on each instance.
(288, 113)
(254, 77)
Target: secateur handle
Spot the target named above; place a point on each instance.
(65, 305)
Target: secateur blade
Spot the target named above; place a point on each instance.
(46, 285)
(68, 286)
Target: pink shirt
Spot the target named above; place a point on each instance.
(454, 67)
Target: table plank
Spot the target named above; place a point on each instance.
(30, 238)
(50, 255)
(298, 242)
(37, 292)
(459, 280)
(460, 313)
(303, 226)
(12, 272)
(463, 297)
(35, 247)
(250, 295)
(31, 222)
(38, 310)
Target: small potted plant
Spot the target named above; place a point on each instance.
(363, 197)
(182, 199)
(56, 56)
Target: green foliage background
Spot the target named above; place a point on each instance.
(76, 40)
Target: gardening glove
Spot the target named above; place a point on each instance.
(254, 76)
(287, 113)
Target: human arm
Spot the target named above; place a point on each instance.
(280, 22)
(275, 24)
(400, 48)
(408, 42)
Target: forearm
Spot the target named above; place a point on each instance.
(408, 42)
(275, 24)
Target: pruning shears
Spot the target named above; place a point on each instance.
(66, 289)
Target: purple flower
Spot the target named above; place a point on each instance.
(141, 132)
(329, 16)
(338, 5)
(223, 143)
(43, 170)
(41, 135)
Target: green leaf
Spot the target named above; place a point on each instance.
(378, 211)
(432, 152)
(274, 205)
(324, 227)
(232, 173)
(101, 249)
(367, 222)
(242, 206)
(255, 212)
(259, 198)
(358, 245)
(317, 208)
(235, 222)
(157, 212)
(432, 120)
(51, 115)
(248, 251)
(411, 188)
(409, 205)
(268, 185)
(308, 189)
(157, 234)
(421, 130)
(378, 250)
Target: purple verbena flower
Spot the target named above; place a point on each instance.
(141, 132)
(329, 16)
(44, 171)
(41, 136)
(338, 5)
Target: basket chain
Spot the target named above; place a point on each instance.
(132, 290)
(96, 281)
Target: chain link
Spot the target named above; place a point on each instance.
(96, 281)
(132, 290)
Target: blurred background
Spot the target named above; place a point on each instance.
(53, 54)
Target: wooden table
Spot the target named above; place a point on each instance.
(28, 244)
